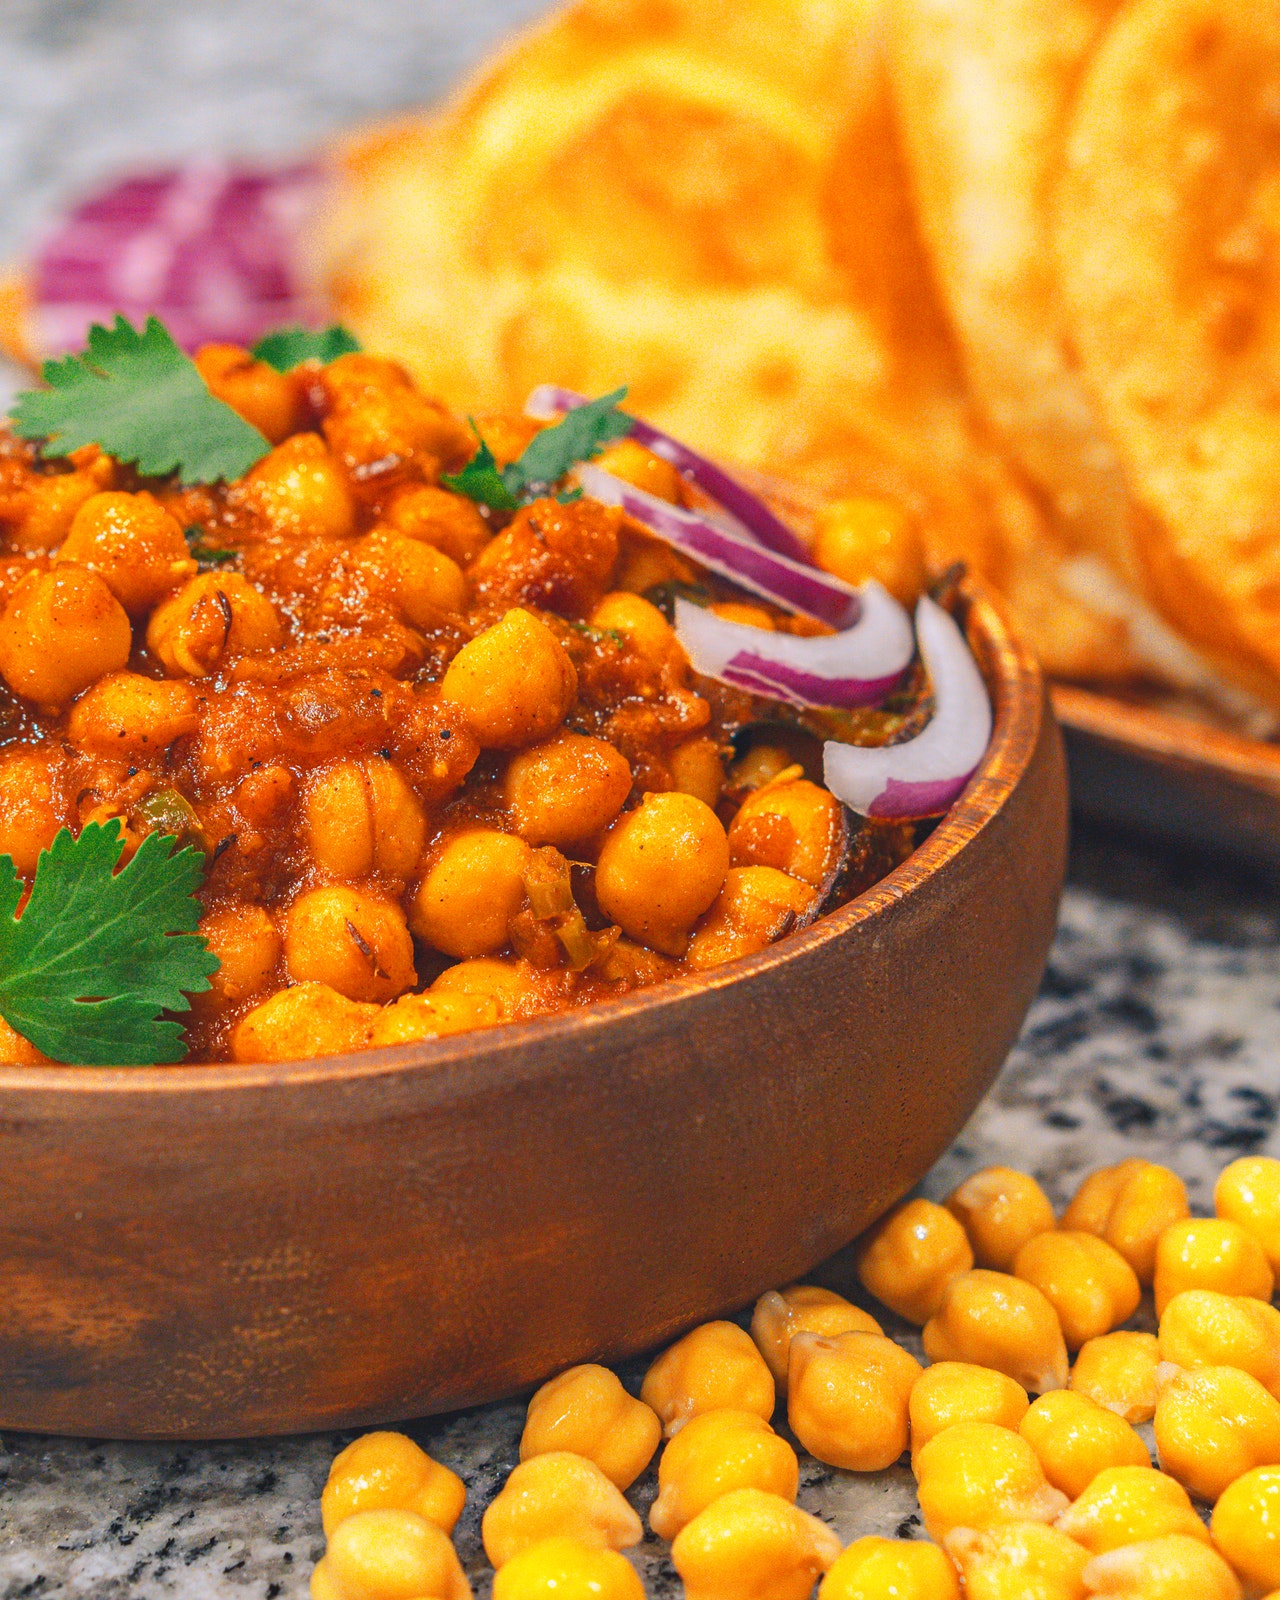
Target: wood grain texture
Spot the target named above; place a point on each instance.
(222, 1251)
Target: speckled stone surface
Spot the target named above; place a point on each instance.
(1157, 1031)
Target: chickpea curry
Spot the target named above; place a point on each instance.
(446, 763)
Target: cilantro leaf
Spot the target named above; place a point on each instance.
(286, 348)
(580, 435)
(144, 401)
(97, 954)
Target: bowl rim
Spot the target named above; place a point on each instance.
(458, 1066)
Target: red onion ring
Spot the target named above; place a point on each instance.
(749, 513)
(857, 667)
(922, 777)
(793, 584)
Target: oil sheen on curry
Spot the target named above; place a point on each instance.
(449, 766)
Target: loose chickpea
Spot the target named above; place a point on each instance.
(997, 1321)
(796, 827)
(1130, 1206)
(1212, 1425)
(1208, 1253)
(46, 506)
(505, 983)
(1118, 1371)
(134, 546)
(641, 624)
(847, 1398)
(513, 682)
(557, 1495)
(15, 1051)
(744, 612)
(1076, 1439)
(300, 488)
(803, 1308)
(661, 866)
(125, 714)
(1000, 1209)
(471, 892)
(563, 1569)
(890, 1569)
(749, 1544)
(697, 768)
(714, 1454)
(566, 790)
(713, 1368)
(1173, 1568)
(432, 1016)
(450, 522)
(1204, 1328)
(350, 940)
(389, 1554)
(388, 1470)
(296, 1024)
(756, 906)
(976, 1475)
(29, 815)
(951, 1392)
(1246, 1527)
(60, 631)
(1124, 1505)
(425, 582)
(634, 464)
(1018, 1561)
(362, 817)
(1248, 1192)
(587, 1411)
(1090, 1285)
(911, 1258)
(863, 538)
(267, 400)
(245, 941)
(216, 615)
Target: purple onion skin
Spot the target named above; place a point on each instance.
(803, 688)
(916, 801)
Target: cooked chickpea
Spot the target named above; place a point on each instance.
(60, 631)
(29, 813)
(1018, 1561)
(353, 941)
(749, 1544)
(1123, 1505)
(267, 400)
(587, 1411)
(134, 546)
(1076, 1439)
(641, 623)
(1204, 1328)
(998, 1321)
(1118, 1371)
(557, 1495)
(389, 1554)
(1208, 1253)
(304, 1021)
(471, 892)
(362, 817)
(661, 866)
(299, 488)
(564, 1569)
(1173, 1568)
(697, 768)
(755, 906)
(216, 615)
(890, 1569)
(432, 1016)
(713, 1368)
(1212, 1425)
(743, 611)
(1130, 1206)
(246, 943)
(513, 682)
(566, 790)
(803, 1308)
(864, 538)
(424, 581)
(1088, 1283)
(45, 508)
(15, 1051)
(505, 983)
(796, 827)
(976, 1474)
(951, 1392)
(1246, 1527)
(847, 1398)
(634, 464)
(911, 1258)
(712, 1455)
(125, 714)
(1248, 1192)
(450, 522)
(388, 1470)
(1000, 1209)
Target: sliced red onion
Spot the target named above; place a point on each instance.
(794, 584)
(855, 668)
(207, 246)
(748, 512)
(922, 777)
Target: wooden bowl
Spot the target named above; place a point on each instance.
(205, 1252)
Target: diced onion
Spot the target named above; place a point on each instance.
(923, 776)
(856, 667)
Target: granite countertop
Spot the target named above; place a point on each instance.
(1156, 1031)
